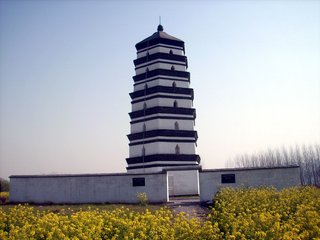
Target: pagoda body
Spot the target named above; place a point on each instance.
(162, 118)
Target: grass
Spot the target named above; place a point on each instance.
(71, 208)
(185, 197)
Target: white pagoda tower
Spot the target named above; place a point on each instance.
(162, 118)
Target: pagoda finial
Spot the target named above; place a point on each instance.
(160, 27)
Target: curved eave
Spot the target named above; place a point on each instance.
(149, 64)
(149, 118)
(165, 110)
(164, 72)
(162, 89)
(164, 158)
(159, 37)
(162, 96)
(163, 133)
(160, 55)
(162, 140)
(165, 166)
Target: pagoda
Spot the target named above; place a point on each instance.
(162, 117)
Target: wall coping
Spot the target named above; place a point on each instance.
(145, 174)
(247, 169)
(84, 175)
(181, 168)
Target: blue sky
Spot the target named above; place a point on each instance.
(66, 70)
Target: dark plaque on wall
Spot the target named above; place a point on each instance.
(136, 182)
(228, 178)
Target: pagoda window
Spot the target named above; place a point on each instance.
(143, 151)
(146, 86)
(144, 127)
(147, 69)
(177, 149)
(172, 68)
(144, 106)
(176, 126)
(170, 52)
(148, 54)
(174, 84)
(175, 103)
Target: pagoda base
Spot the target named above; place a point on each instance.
(181, 180)
(159, 162)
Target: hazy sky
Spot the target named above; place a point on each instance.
(66, 71)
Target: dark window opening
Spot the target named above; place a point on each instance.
(174, 84)
(176, 126)
(228, 178)
(143, 152)
(138, 182)
(172, 68)
(171, 52)
(177, 149)
(144, 106)
(175, 104)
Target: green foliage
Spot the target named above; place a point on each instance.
(4, 185)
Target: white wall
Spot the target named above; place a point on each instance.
(95, 188)
(171, 78)
(162, 82)
(160, 48)
(162, 124)
(158, 65)
(117, 188)
(183, 182)
(210, 180)
(163, 102)
(161, 148)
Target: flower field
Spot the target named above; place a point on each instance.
(237, 214)
(22, 222)
(266, 213)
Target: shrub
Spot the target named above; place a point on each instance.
(4, 197)
(142, 198)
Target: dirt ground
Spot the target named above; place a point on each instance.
(189, 205)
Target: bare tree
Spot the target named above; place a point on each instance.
(307, 157)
